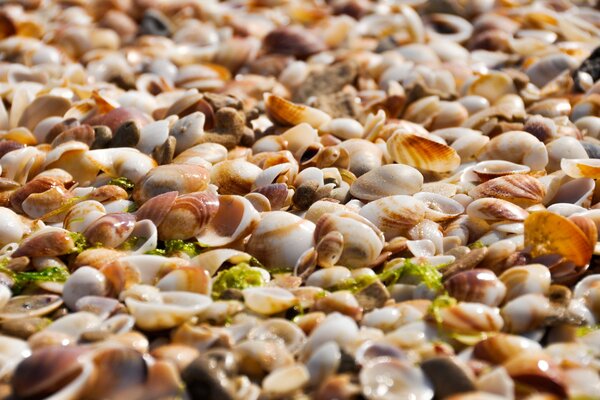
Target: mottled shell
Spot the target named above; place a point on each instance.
(471, 318)
(477, 286)
(286, 113)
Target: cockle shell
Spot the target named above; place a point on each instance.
(422, 153)
(549, 233)
(522, 190)
(491, 209)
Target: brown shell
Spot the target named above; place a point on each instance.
(423, 153)
(190, 104)
(476, 285)
(43, 107)
(110, 230)
(276, 193)
(37, 185)
(188, 216)
(46, 244)
(522, 190)
(182, 178)
(499, 348)
(286, 113)
(536, 373)
(82, 133)
(46, 371)
(293, 41)
(115, 118)
(157, 208)
(549, 233)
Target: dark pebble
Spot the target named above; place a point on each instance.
(127, 135)
(592, 149)
(164, 153)
(155, 23)
(447, 377)
(590, 65)
(202, 383)
(102, 137)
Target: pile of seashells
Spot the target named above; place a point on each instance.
(290, 199)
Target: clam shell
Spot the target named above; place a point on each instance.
(526, 279)
(549, 233)
(123, 161)
(48, 241)
(286, 113)
(181, 178)
(30, 306)
(471, 318)
(522, 190)
(386, 378)
(387, 180)
(268, 300)
(422, 153)
(478, 286)
(499, 348)
(41, 108)
(234, 177)
(110, 230)
(491, 209)
(394, 215)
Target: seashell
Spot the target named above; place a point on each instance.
(292, 41)
(286, 380)
(363, 241)
(280, 238)
(181, 178)
(286, 113)
(423, 153)
(342, 301)
(386, 378)
(477, 286)
(549, 233)
(343, 128)
(234, 177)
(117, 117)
(122, 162)
(110, 230)
(212, 260)
(561, 148)
(57, 371)
(279, 330)
(336, 328)
(537, 372)
(471, 318)
(30, 306)
(394, 215)
(235, 219)
(323, 363)
(526, 279)
(257, 358)
(581, 168)
(522, 190)
(439, 208)
(526, 313)
(491, 209)
(516, 147)
(85, 281)
(188, 216)
(41, 108)
(548, 68)
(502, 347)
(48, 241)
(173, 309)
(387, 180)
(21, 164)
(12, 228)
(186, 279)
(363, 155)
(492, 86)
(550, 108)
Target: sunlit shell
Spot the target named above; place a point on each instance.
(234, 176)
(537, 372)
(476, 285)
(549, 233)
(181, 178)
(387, 180)
(471, 318)
(423, 153)
(363, 241)
(286, 113)
(188, 216)
(386, 378)
(280, 239)
(581, 168)
(522, 190)
(268, 300)
(491, 209)
(526, 279)
(122, 162)
(518, 147)
(394, 215)
(502, 347)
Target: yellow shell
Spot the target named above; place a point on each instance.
(422, 153)
(549, 233)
